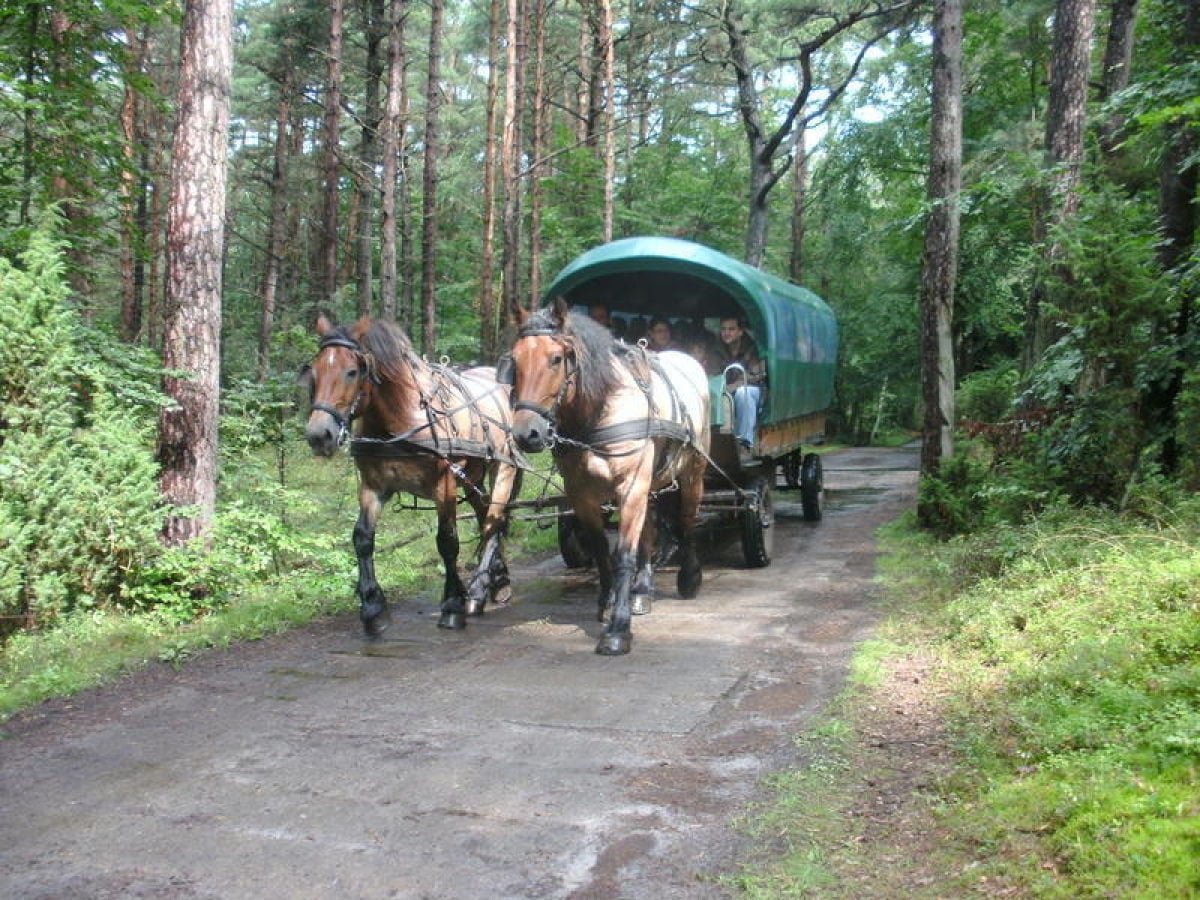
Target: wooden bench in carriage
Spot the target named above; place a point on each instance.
(796, 333)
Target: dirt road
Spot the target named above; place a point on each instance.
(508, 761)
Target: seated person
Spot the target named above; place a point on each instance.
(598, 312)
(703, 345)
(745, 374)
(658, 336)
(635, 330)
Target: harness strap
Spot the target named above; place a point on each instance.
(639, 429)
(406, 447)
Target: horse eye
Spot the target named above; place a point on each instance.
(556, 360)
(352, 373)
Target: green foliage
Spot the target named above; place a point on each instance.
(1077, 658)
(79, 508)
(987, 395)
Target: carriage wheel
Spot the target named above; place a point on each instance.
(812, 486)
(791, 469)
(573, 552)
(758, 525)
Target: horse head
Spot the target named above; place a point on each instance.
(339, 379)
(542, 362)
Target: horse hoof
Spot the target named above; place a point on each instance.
(475, 607)
(503, 596)
(689, 584)
(455, 621)
(640, 604)
(614, 644)
(377, 624)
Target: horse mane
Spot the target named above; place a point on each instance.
(386, 345)
(594, 346)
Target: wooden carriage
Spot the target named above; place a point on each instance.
(796, 333)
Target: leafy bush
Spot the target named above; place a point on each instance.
(79, 509)
(1078, 657)
(987, 395)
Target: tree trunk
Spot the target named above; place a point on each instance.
(373, 13)
(1066, 118)
(609, 118)
(1118, 55)
(327, 252)
(429, 220)
(537, 151)
(939, 266)
(510, 151)
(489, 336)
(277, 226)
(391, 127)
(132, 196)
(767, 146)
(187, 431)
(1179, 181)
(799, 208)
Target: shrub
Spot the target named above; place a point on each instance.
(78, 501)
(987, 395)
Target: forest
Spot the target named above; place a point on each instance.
(997, 198)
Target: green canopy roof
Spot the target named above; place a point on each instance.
(795, 330)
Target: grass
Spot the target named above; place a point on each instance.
(1066, 673)
(282, 558)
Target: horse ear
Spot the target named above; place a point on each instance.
(519, 313)
(324, 324)
(561, 309)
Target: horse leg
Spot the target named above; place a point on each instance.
(691, 491)
(490, 579)
(619, 637)
(373, 609)
(590, 518)
(641, 598)
(453, 602)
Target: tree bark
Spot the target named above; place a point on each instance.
(277, 224)
(1118, 56)
(373, 13)
(489, 335)
(1179, 193)
(609, 115)
(537, 151)
(429, 219)
(187, 431)
(799, 207)
(327, 252)
(939, 266)
(132, 196)
(514, 90)
(392, 125)
(1066, 119)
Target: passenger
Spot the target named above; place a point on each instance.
(636, 330)
(704, 346)
(658, 338)
(598, 312)
(744, 377)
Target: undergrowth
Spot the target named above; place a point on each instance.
(1079, 670)
(1067, 655)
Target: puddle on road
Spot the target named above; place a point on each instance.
(308, 673)
(853, 498)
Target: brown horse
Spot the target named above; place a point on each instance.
(421, 429)
(622, 423)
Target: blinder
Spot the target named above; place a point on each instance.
(506, 370)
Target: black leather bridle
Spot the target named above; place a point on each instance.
(344, 421)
